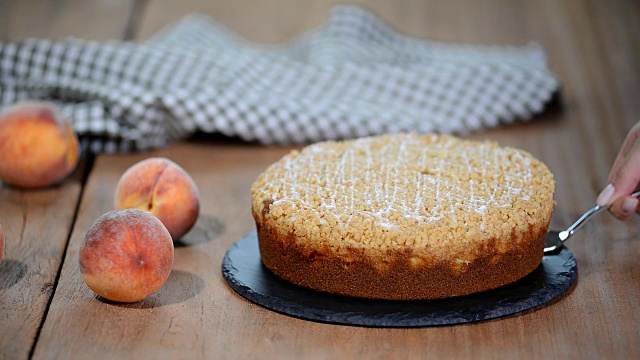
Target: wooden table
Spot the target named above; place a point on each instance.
(46, 311)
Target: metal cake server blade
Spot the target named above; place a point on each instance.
(555, 239)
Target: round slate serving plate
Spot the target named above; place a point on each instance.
(244, 272)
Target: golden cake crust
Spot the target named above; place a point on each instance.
(403, 216)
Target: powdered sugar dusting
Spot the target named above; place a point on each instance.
(395, 182)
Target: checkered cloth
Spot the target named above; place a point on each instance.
(352, 77)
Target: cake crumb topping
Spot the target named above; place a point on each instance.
(406, 191)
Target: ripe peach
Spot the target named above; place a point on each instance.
(126, 255)
(163, 188)
(37, 145)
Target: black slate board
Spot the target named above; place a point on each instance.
(245, 273)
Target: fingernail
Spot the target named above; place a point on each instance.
(629, 205)
(605, 195)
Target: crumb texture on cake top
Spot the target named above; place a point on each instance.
(427, 193)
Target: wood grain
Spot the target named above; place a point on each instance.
(592, 46)
(274, 21)
(36, 225)
(51, 19)
(174, 321)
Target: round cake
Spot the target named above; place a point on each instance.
(403, 216)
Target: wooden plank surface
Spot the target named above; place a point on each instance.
(594, 49)
(191, 315)
(51, 19)
(274, 21)
(37, 223)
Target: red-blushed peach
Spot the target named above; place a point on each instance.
(1, 244)
(163, 188)
(37, 145)
(126, 255)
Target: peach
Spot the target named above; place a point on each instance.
(1, 244)
(37, 145)
(163, 188)
(126, 255)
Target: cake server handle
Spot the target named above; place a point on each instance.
(564, 235)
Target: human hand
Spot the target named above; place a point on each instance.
(624, 178)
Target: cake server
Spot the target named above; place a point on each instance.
(555, 239)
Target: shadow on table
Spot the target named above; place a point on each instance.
(180, 286)
(11, 272)
(207, 228)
